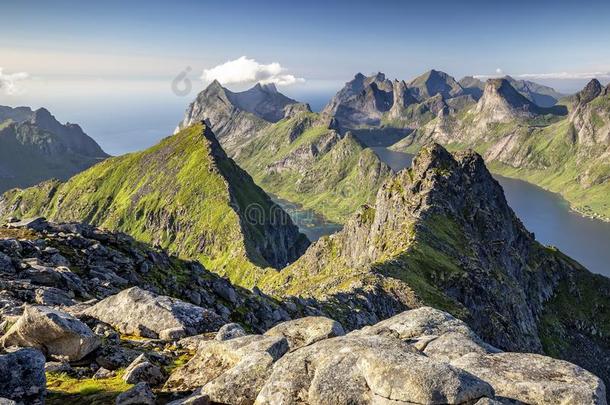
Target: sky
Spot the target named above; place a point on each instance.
(119, 68)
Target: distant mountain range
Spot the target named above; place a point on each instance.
(34, 146)
(377, 101)
(564, 148)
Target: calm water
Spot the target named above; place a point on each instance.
(544, 213)
(313, 225)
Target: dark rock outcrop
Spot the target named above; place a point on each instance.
(22, 377)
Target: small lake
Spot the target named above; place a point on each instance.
(312, 224)
(545, 214)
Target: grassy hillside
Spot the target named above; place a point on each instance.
(301, 160)
(183, 194)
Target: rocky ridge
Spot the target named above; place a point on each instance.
(183, 194)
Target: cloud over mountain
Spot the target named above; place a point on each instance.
(244, 70)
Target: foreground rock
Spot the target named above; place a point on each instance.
(140, 394)
(58, 334)
(142, 313)
(305, 331)
(22, 377)
(535, 379)
(422, 356)
(368, 369)
(231, 371)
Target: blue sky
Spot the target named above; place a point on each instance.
(124, 52)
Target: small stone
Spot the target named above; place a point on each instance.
(173, 333)
(142, 370)
(103, 373)
(230, 331)
(140, 394)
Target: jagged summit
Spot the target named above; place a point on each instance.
(236, 117)
(501, 103)
(591, 91)
(362, 100)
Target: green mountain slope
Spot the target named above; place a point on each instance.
(442, 234)
(565, 153)
(302, 160)
(183, 194)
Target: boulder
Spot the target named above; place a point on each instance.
(143, 370)
(113, 356)
(135, 311)
(535, 379)
(436, 333)
(367, 369)
(58, 334)
(230, 331)
(22, 377)
(230, 371)
(305, 331)
(140, 394)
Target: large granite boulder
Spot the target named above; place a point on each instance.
(436, 333)
(58, 334)
(138, 312)
(305, 331)
(231, 371)
(367, 369)
(22, 377)
(535, 379)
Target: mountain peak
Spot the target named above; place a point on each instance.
(501, 102)
(435, 82)
(591, 91)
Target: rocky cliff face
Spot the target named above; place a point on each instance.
(34, 147)
(442, 234)
(502, 103)
(184, 194)
(236, 118)
(361, 101)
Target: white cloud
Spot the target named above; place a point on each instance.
(499, 71)
(10, 83)
(244, 70)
